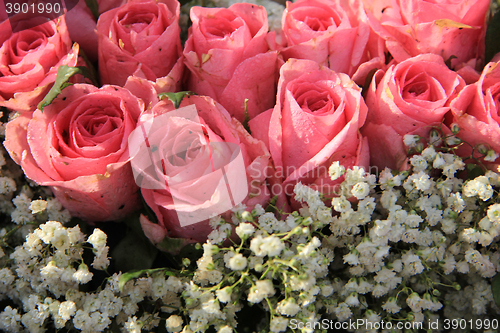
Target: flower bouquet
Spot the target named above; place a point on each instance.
(216, 166)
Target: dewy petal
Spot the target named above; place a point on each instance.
(151, 49)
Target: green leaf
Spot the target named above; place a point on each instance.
(492, 46)
(474, 170)
(495, 288)
(133, 253)
(94, 7)
(175, 98)
(125, 277)
(247, 117)
(62, 81)
(172, 245)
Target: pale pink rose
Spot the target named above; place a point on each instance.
(335, 34)
(140, 38)
(229, 58)
(450, 28)
(315, 122)
(411, 95)
(29, 60)
(476, 111)
(78, 147)
(197, 162)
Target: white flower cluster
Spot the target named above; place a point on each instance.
(46, 268)
(415, 238)
(411, 246)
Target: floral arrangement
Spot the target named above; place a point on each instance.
(219, 166)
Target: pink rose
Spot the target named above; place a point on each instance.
(335, 34)
(81, 26)
(140, 38)
(29, 60)
(78, 147)
(197, 162)
(315, 122)
(228, 56)
(448, 28)
(476, 112)
(411, 95)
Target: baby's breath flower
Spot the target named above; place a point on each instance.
(336, 170)
(278, 324)
(261, 290)
(491, 156)
(360, 190)
(340, 204)
(67, 309)
(494, 213)
(82, 275)
(38, 206)
(133, 325)
(224, 294)
(97, 239)
(7, 185)
(411, 141)
(238, 262)
(288, 307)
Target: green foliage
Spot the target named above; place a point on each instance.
(474, 170)
(94, 7)
(175, 98)
(64, 73)
(495, 288)
(133, 253)
(491, 39)
(125, 277)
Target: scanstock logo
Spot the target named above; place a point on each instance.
(27, 14)
(171, 152)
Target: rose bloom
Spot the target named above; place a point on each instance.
(335, 34)
(410, 98)
(452, 29)
(140, 38)
(78, 147)
(315, 122)
(227, 54)
(195, 167)
(82, 24)
(476, 112)
(29, 59)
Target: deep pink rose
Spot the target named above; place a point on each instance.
(78, 147)
(315, 122)
(29, 60)
(476, 111)
(411, 95)
(335, 34)
(197, 162)
(228, 56)
(81, 26)
(140, 38)
(449, 28)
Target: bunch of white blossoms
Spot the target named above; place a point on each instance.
(275, 264)
(416, 244)
(46, 268)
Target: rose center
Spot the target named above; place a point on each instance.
(220, 27)
(313, 100)
(316, 24)
(320, 21)
(137, 22)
